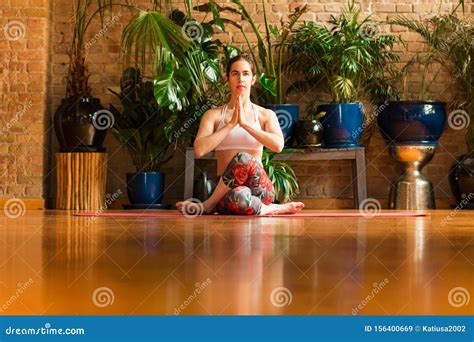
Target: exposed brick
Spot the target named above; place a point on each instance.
(35, 12)
(24, 78)
(384, 7)
(36, 66)
(423, 8)
(404, 8)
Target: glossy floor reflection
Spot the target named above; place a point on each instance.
(54, 263)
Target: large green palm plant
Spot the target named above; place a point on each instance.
(84, 13)
(347, 59)
(461, 56)
(271, 44)
(186, 81)
(450, 45)
(437, 32)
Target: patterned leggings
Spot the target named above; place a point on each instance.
(250, 186)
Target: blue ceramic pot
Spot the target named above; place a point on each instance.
(288, 116)
(412, 122)
(145, 187)
(342, 124)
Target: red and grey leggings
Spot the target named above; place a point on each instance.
(250, 186)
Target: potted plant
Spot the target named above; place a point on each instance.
(80, 121)
(415, 118)
(413, 126)
(347, 59)
(458, 47)
(269, 60)
(163, 111)
(185, 66)
(139, 128)
(281, 175)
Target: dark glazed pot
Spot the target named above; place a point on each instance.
(461, 180)
(76, 125)
(309, 133)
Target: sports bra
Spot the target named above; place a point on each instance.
(239, 138)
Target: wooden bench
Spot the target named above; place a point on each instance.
(355, 155)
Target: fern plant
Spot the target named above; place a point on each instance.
(281, 175)
(450, 46)
(78, 74)
(347, 59)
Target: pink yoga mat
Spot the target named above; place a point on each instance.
(303, 214)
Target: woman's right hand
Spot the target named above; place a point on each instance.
(235, 117)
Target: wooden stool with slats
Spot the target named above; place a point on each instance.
(80, 180)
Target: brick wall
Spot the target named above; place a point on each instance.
(24, 77)
(24, 55)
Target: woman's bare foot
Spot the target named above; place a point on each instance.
(190, 208)
(278, 209)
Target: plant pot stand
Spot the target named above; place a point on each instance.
(412, 191)
(355, 155)
(80, 180)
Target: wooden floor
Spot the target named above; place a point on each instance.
(54, 263)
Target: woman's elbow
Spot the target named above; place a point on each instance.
(279, 147)
(198, 153)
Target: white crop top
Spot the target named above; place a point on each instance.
(239, 138)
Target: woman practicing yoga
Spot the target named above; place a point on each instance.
(237, 131)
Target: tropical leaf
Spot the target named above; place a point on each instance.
(268, 83)
(145, 37)
(171, 87)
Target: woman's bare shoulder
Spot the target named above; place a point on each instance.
(264, 113)
(213, 113)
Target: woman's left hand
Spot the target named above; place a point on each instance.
(241, 113)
